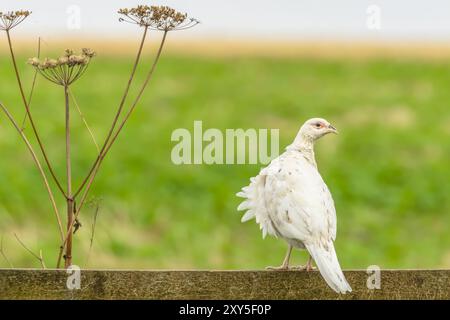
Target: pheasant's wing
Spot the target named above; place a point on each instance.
(299, 202)
(288, 198)
(330, 211)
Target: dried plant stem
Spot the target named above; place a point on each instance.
(141, 91)
(60, 255)
(119, 111)
(22, 93)
(94, 224)
(111, 130)
(39, 166)
(33, 84)
(70, 208)
(2, 252)
(84, 120)
(38, 257)
(114, 137)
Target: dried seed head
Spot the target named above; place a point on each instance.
(11, 19)
(88, 52)
(66, 69)
(63, 60)
(68, 52)
(77, 60)
(157, 18)
(34, 62)
(50, 63)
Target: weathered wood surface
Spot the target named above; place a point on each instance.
(123, 284)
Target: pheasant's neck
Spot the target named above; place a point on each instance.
(305, 145)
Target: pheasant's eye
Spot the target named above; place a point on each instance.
(318, 125)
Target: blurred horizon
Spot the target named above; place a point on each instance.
(285, 19)
(216, 48)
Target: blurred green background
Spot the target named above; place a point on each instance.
(388, 170)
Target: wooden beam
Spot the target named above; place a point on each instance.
(108, 284)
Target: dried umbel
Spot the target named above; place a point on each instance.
(11, 19)
(66, 69)
(161, 18)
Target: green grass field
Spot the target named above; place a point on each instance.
(388, 170)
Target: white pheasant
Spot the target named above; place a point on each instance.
(290, 200)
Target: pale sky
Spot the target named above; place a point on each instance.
(310, 19)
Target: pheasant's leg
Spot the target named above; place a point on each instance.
(285, 265)
(309, 265)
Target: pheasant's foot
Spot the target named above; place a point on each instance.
(310, 268)
(285, 265)
(280, 268)
(303, 268)
(299, 268)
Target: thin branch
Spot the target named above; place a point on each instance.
(94, 224)
(84, 120)
(149, 76)
(119, 111)
(60, 254)
(42, 259)
(2, 252)
(102, 156)
(22, 93)
(39, 257)
(39, 166)
(130, 111)
(70, 208)
(32, 85)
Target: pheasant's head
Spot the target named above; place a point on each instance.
(316, 128)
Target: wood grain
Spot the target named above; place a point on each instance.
(103, 284)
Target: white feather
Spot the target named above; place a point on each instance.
(245, 205)
(289, 199)
(329, 268)
(248, 216)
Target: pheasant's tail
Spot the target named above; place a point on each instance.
(328, 264)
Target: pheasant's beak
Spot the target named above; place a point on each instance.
(332, 129)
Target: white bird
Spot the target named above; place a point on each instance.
(290, 200)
